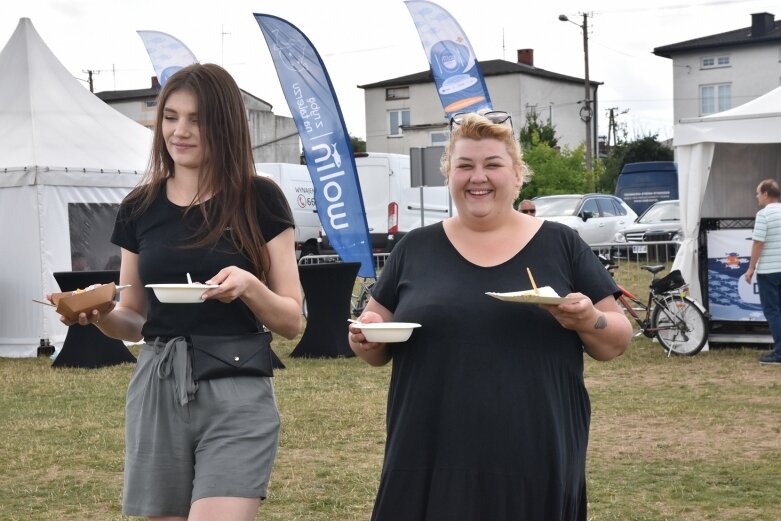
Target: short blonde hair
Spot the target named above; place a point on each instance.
(475, 126)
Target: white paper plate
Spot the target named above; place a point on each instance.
(387, 331)
(526, 298)
(180, 293)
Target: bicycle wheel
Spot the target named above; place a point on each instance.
(680, 325)
(359, 302)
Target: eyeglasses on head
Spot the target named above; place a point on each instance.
(497, 117)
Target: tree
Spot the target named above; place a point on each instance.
(535, 132)
(359, 145)
(647, 148)
(553, 171)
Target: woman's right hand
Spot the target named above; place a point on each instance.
(87, 318)
(84, 318)
(357, 337)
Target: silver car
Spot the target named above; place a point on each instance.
(660, 222)
(596, 217)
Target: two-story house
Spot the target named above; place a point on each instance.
(715, 73)
(274, 138)
(406, 111)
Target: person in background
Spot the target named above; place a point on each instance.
(488, 415)
(201, 450)
(79, 262)
(113, 263)
(766, 262)
(527, 206)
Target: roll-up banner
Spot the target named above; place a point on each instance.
(168, 54)
(326, 143)
(457, 75)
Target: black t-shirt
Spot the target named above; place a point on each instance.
(160, 235)
(488, 414)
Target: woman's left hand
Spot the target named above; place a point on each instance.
(575, 316)
(234, 283)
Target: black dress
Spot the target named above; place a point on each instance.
(488, 415)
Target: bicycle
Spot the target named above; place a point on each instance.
(674, 319)
(361, 298)
(357, 302)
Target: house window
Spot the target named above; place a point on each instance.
(397, 93)
(397, 119)
(151, 103)
(715, 98)
(439, 139)
(712, 62)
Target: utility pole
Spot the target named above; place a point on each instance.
(588, 113)
(611, 126)
(89, 78)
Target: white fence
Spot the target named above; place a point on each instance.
(379, 260)
(628, 256)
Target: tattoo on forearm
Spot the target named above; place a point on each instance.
(601, 322)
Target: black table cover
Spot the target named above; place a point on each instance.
(328, 289)
(87, 346)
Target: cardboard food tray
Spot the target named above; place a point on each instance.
(527, 298)
(70, 304)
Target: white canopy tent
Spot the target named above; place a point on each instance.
(59, 145)
(721, 159)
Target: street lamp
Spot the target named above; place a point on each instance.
(586, 112)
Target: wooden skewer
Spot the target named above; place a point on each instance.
(531, 279)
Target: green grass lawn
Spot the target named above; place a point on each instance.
(676, 438)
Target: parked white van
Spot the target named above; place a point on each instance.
(393, 207)
(297, 186)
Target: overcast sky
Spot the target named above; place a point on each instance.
(364, 41)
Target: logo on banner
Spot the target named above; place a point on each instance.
(453, 63)
(291, 50)
(324, 139)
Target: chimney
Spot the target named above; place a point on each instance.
(762, 24)
(155, 82)
(526, 57)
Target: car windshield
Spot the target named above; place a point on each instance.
(661, 213)
(552, 206)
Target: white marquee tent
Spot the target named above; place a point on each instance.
(721, 159)
(59, 145)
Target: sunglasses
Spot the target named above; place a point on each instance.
(497, 117)
(532, 211)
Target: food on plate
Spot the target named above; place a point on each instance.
(545, 291)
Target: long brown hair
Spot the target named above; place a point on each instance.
(227, 170)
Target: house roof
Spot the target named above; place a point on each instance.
(488, 68)
(128, 95)
(152, 92)
(764, 30)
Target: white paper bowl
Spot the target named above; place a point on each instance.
(387, 331)
(180, 293)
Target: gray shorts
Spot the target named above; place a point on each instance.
(221, 443)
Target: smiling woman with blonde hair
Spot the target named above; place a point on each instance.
(488, 416)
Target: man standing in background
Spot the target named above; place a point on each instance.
(527, 206)
(766, 261)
